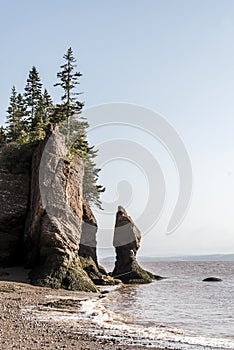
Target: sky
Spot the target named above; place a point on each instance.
(173, 57)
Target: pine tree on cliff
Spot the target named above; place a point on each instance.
(48, 106)
(68, 111)
(38, 125)
(22, 115)
(68, 81)
(80, 145)
(41, 119)
(15, 116)
(91, 190)
(2, 136)
(22, 108)
(32, 94)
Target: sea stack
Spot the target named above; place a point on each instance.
(88, 249)
(88, 241)
(127, 239)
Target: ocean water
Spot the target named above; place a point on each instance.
(180, 312)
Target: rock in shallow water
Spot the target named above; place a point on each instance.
(212, 279)
(127, 239)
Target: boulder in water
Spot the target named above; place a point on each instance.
(212, 279)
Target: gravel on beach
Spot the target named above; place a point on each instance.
(20, 330)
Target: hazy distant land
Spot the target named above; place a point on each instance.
(208, 257)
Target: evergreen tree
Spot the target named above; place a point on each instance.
(48, 106)
(24, 126)
(22, 108)
(28, 117)
(41, 119)
(68, 80)
(91, 190)
(80, 145)
(2, 136)
(75, 128)
(15, 115)
(32, 93)
(78, 141)
(39, 122)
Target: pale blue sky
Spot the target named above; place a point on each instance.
(175, 57)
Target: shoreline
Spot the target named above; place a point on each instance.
(22, 325)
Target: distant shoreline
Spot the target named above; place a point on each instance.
(207, 257)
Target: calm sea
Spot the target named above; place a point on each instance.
(180, 312)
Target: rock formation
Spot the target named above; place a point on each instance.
(127, 239)
(212, 279)
(53, 226)
(14, 190)
(88, 250)
(88, 241)
(46, 224)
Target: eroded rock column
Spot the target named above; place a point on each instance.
(127, 239)
(53, 228)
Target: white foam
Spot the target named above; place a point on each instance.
(115, 325)
(108, 324)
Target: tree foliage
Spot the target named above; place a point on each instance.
(80, 145)
(30, 115)
(16, 113)
(2, 136)
(70, 111)
(32, 93)
(68, 80)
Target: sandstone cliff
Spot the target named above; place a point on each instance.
(127, 239)
(88, 241)
(14, 191)
(46, 224)
(88, 250)
(53, 227)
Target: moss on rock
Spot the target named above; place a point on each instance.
(97, 273)
(134, 274)
(71, 277)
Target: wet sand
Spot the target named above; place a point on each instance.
(20, 329)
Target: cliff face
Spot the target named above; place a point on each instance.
(88, 240)
(45, 220)
(54, 220)
(88, 250)
(127, 239)
(14, 191)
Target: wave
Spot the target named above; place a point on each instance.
(120, 327)
(94, 318)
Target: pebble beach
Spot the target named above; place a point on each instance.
(21, 329)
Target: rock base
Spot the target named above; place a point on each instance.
(97, 273)
(71, 277)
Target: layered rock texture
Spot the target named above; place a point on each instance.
(127, 239)
(14, 191)
(46, 225)
(53, 226)
(88, 241)
(88, 250)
